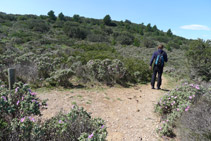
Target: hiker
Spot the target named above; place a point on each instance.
(160, 57)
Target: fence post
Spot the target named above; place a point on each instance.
(11, 78)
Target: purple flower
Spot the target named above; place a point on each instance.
(22, 98)
(73, 106)
(190, 97)
(32, 119)
(5, 99)
(2, 86)
(102, 126)
(197, 87)
(186, 109)
(22, 119)
(177, 109)
(16, 89)
(175, 97)
(33, 100)
(90, 136)
(60, 121)
(191, 85)
(32, 93)
(17, 102)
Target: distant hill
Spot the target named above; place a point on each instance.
(38, 42)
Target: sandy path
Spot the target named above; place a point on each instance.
(128, 112)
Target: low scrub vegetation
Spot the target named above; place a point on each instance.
(18, 120)
(180, 102)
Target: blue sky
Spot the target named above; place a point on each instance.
(186, 18)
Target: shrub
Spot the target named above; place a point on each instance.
(18, 108)
(74, 31)
(175, 103)
(61, 78)
(199, 59)
(97, 38)
(125, 39)
(195, 124)
(149, 43)
(38, 25)
(137, 70)
(106, 71)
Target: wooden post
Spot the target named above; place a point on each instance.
(11, 78)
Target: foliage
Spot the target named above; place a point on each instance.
(106, 71)
(175, 103)
(137, 70)
(195, 124)
(16, 106)
(107, 20)
(61, 16)
(125, 39)
(61, 78)
(74, 31)
(199, 59)
(149, 43)
(52, 15)
(169, 33)
(19, 108)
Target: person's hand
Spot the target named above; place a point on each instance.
(150, 67)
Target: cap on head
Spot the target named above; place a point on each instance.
(160, 46)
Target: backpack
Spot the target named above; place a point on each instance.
(160, 60)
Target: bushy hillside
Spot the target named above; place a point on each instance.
(47, 50)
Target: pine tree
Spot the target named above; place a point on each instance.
(61, 17)
(169, 33)
(107, 20)
(52, 15)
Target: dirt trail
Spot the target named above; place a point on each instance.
(128, 112)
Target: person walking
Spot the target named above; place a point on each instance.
(160, 57)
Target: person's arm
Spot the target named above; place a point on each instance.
(165, 57)
(152, 59)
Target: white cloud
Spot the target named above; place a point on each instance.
(195, 27)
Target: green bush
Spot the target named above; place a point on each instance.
(137, 70)
(125, 39)
(97, 38)
(20, 106)
(199, 59)
(107, 71)
(61, 78)
(73, 30)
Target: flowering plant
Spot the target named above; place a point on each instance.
(173, 104)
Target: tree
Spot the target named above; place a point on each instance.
(61, 17)
(107, 20)
(199, 60)
(149, 28)
(154, 28)
(76, 18)
(141, 31)
(169, 33)
(52, 15)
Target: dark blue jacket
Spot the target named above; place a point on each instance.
(156, 53)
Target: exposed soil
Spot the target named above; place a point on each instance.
(128, 112)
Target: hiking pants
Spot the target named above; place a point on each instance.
(156, 70)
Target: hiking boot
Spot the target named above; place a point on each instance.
(153, 87)
(158, 88)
